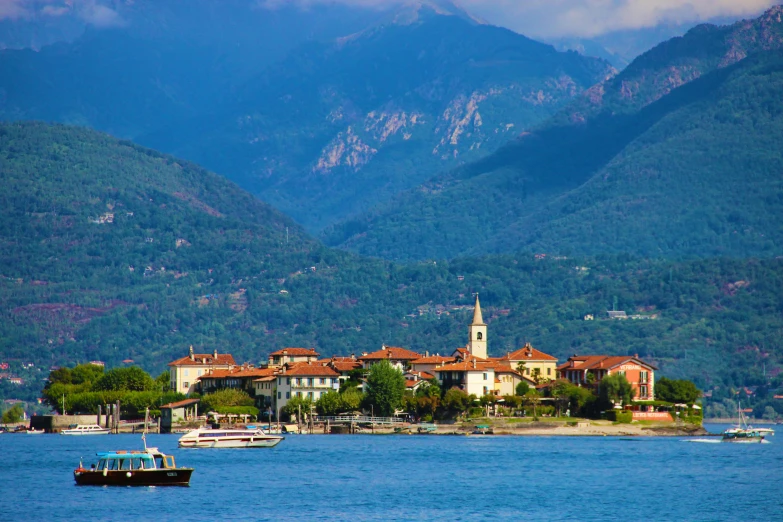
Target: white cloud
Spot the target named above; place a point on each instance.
(537, 18)
(554, 18)
(95, 12)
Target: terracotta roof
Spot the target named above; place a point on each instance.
(421, 375)
(434, 359)
(391, 352)
(341, 366)
(309, 370)
(179, 404)
(238, 372)
(600, 362)
(335, 358)
(266, 379)
(528, 353)
(463, 366)
(295, 351)
(205, 359)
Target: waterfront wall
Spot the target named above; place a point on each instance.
(57, 423)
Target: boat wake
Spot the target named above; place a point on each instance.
(704, 441)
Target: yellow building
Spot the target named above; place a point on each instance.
(537, 365)
(186, 371)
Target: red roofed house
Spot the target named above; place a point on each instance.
(293, 355)
(473, 377)
(186, 371)
(539, 366)
(399, 357)
(305, 380)
(584, 369)
(428, 363)
(245, 378)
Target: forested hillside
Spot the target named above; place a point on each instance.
(109, 251)
(696, 172)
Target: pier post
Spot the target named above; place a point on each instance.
(117, 420)
(99, 416)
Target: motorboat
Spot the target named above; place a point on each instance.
(149, 467)
(744, 433)
(86, 429)
(33, 431)
(229, 438)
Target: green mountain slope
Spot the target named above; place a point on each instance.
(215, 268)
(337, 128)
(691, 151)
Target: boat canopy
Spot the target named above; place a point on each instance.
(126, 455)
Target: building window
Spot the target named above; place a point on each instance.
(643, 377)
(549, 371)
(298, 381)
(279, 381)
(185, 372)
(309, 395)
(287, 395)
(643, 391)
(186, 385)
(291, 359)
(485, 390)
(310, 381)
(485, 378)
(334, 380)
(298, 394)
(323, 381)
(288, 381)
(279, 395)
(479, 336)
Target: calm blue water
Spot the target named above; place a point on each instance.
(409, 478)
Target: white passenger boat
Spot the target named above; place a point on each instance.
(229, 438)
(86, 429)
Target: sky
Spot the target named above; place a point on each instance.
(535, 18)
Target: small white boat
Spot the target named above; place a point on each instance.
(86, 429)
(229, 438)
(744, 433)
(33, 431)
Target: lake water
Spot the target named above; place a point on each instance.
(366, 477)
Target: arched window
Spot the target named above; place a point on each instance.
(479, 336)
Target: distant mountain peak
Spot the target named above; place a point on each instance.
(419, 10)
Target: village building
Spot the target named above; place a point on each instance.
(428, 363)
(591, 369)
(473, 377)
(507, 379)
(305, 380)
(538, 366)
(186, 371)
(343, 365)
(293, 355)
(243, 378)
(400, 358)
(179, 411)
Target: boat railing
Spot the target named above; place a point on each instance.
(358, 419)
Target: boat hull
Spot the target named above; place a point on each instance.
(153, 477)
(253, 442)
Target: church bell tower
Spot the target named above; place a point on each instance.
(477, 333)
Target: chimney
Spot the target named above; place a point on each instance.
(214, 354)
(192, 358)
(636, 356)
(474, 364)
(353, 356)
(383, 347)
(427, 353)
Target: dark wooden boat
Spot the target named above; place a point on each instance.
(133, 468)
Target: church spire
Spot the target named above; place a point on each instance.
(477, 319)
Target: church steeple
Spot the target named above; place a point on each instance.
(477, 333)
(477, 319)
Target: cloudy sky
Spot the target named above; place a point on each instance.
(538, 18)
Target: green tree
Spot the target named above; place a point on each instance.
(456, 400)
(613, 389)
(86, 373)
(385, 388)
(522, 388)
(330, 403)
(351, 399)
(671, 390)
(298, 404)
(225, 398)
(13, 415)
(163, 381)
(125, 379)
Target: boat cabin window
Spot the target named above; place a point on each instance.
(159, 462)
(170, 461)
(125, 464)
(113, 464)
(102, 464)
